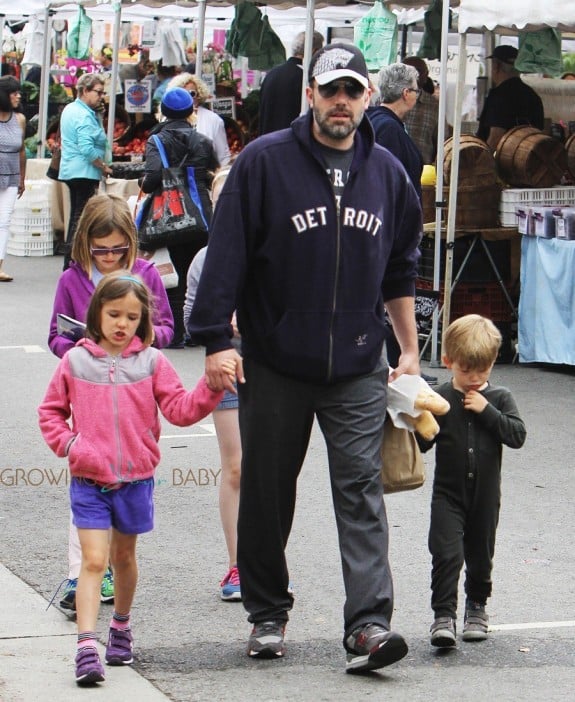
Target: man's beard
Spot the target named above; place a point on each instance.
(335, 131)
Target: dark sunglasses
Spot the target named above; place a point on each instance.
(192, 93)
(100, 92)
(115, 251)
(352, 88)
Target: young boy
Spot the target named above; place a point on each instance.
(467, 484)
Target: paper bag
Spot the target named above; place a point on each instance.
(402, 464)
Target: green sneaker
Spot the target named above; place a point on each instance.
(107, 587)
(68, 600)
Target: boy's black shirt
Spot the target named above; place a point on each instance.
(469, 445)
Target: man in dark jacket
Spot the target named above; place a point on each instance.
(510, 102)
(315, 229)
(281, 90)
(399, 91)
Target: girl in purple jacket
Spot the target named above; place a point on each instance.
(105, 241)
(101, 411)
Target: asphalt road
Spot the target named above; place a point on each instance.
(191, 645)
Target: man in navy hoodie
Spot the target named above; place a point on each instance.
(315, 229)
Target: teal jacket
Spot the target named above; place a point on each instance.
(83, 141)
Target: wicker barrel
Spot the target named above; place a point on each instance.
(477, 206)
(527, 157)
(570, 150)
(428, 203)
(476, 162)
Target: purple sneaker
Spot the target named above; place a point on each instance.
(89, 669)
(119, 648)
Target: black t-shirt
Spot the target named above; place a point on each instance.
(508, 105)
(338, 163)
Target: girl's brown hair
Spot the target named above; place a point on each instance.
(113, 287)
(101, 216)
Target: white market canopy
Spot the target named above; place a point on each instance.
(526, 15)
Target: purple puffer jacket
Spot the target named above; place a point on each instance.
(73, 297)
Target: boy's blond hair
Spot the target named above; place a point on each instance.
(472, 341)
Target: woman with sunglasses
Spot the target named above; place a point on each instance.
(84, 145)
(105, 241)
(12, 160)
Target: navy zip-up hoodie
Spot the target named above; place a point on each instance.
(308, 277)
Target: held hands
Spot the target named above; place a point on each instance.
(474, 401)
(222, 369)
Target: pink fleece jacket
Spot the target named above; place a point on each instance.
(113, 405)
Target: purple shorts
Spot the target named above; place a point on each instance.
(129, 509)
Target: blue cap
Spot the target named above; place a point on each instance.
(177, 103)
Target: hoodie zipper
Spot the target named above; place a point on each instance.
(113, 379)
(335, 286)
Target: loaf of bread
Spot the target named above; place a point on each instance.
(424, 424)
(428, 399)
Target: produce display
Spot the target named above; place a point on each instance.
(136, 145)
(132, 141)
(234, 141)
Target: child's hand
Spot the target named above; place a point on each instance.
(229, 367)
(474, 401)
(223, 368)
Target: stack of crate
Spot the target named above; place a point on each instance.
(516, 204)
(478, 290)
(31, 231)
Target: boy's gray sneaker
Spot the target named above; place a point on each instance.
(370, 646)
(476, 622)
(443, 632)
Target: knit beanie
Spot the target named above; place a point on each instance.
(177, 103)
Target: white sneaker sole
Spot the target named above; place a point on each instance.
(391, 650)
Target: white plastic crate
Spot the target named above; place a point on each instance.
(30, 226)
(37, 208)
(36, 191)
(560, 195)
(512, 197)
(41, 245)
(507, 219)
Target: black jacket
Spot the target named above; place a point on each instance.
(280, 96)
(184, 147)
(308, 275)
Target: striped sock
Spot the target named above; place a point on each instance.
(120, 621)
(87, 638)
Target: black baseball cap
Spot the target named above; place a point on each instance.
(336, 61)
(505, 53)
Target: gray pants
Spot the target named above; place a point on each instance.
(276, 417)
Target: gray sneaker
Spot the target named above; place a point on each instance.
(370, 646)
(267, 640)
(476, 622)
(443, 632)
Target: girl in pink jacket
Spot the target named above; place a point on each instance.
(101, 411)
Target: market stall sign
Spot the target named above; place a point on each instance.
(138, 95)
(224, 106)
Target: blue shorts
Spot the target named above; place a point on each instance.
(228, 401)
(129, 509)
